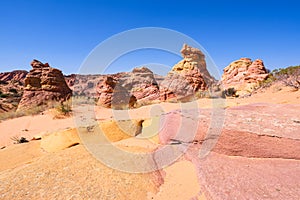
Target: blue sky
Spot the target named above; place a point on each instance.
(64, 32)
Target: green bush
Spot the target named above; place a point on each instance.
(64, 108)
(13, 90)
(267, 82)
(2, 95)
(288, 71)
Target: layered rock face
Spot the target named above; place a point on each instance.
(84, 84)
(141, 83)
(11, 89)
(187, 77)
(105, 90)
(17, 75)
(244, 75)
(42, 85)
(125, 89)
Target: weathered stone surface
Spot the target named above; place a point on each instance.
(244, 75)
(60, 140)
(124, 90)
(248, 131)
(84, 85)
(141, 84)
(17, 75)
(42, 85)
(106, 91)
(11, 89)
(187, 77)
(121, 129)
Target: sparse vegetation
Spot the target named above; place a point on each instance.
(19, 140)
(65, 108)
(202, 94)
(13, 90)
(268, 82)
(230, 92)
(62, 110)
(3, 95)
(289, 76)
(15, 114)
(3, 82)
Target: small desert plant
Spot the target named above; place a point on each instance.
(64, 108)
(3, 95)
(13, 90)
(202, 94)
(267, 82)
(230, 92)
(19, 140)
(3, 83)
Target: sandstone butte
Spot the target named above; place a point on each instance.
(43, 84)
(254, 156)
(244, 75)
(140, 86)
(187, 77)
(126, 89)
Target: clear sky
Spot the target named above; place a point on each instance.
(64, 32)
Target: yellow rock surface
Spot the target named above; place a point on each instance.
(120, 130)
(60, 140)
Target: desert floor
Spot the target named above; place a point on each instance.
(254, 155)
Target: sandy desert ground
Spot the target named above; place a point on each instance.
(255, 156)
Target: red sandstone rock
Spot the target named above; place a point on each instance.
(17, 75)
(187, 77)
(128, 88)
(42, 85)
(244, 75)
(248, 131)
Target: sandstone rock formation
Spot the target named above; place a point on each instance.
(11, 89)
(141, 84)
(17, 75)
(187, 77)
(84, 85)
(244, 75)
(43, 84)
(112, 95)
(124, 90)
